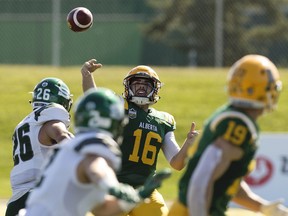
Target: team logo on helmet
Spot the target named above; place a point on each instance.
(44, 84)
(100, 110)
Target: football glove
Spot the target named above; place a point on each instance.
(127, 196)
(153, 182)
(125, 192)
(274, 209)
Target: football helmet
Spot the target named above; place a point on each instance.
(146, 72)
(254, 82)
(51, 90)
(101, 110)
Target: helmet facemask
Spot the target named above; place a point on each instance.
(273, 92)
(141, 90)
(142, 77)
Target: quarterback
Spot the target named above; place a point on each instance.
(147, 132)
(35, 135)
(225, 151)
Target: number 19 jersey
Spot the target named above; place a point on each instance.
(240, 130)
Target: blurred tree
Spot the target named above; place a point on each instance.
(257, 26)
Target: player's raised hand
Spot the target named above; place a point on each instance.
(153, 182)
(192, 133)
(89, 67)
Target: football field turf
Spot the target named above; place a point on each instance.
(199, 91)
(231, 212)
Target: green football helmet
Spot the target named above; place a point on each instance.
(100, 110)
(51, 90)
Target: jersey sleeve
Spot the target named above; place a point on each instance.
(235, 127)
(169, 121)
(170, 147)
(104, 147)
(52, 112)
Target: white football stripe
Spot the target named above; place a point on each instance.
(76, 21)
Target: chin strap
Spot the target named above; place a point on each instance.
(143, 100)
(140, 100)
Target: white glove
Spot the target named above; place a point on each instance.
(274, 209)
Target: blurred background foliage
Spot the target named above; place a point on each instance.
(246, 26)
(154, 32)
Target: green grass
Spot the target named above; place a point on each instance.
(190, 94)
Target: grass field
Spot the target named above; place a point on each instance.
(231, 212)
(190, 94)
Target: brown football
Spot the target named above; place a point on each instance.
(79, 19)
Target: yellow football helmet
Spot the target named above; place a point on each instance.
(147, 72)
(254, 82)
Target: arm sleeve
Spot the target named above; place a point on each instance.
(199, 181)
(170, 146)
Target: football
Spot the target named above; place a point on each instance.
(79, 19)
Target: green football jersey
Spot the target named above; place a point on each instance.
(239, 129)
(143, 139)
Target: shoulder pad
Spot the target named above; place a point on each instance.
(164, 116)
(103, 146)
(235, 115)
(52, 112)
(169, 118)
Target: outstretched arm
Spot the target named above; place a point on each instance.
(87, 78)
(248, 199)
(178, 160)
(94, 169)
(245, 197)
(53, 132)
(121, 199)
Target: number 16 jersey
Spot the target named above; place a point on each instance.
(143, 138)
